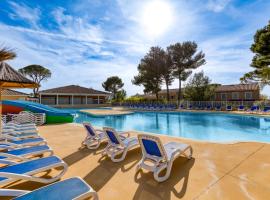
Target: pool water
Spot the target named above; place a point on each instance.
(216, 127)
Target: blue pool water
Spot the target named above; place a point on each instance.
(217, 127)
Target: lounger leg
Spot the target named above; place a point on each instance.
(124, 153)
(166, 176)
(94, 144)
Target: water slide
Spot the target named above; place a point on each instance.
(53, 115)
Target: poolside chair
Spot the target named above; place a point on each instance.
(229, 108)
(96, 136)
(26, 170)
(117, 145)
(19, 125)
(208, 107)
(158, 157)
(254, 109)
(14, 156)
(20, 134)
(72, 188)
(11, 141)
(266, 109)
(218, 108)
(241, 108)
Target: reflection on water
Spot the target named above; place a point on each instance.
(201, 126)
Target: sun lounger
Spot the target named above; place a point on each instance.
(218, 108)
(20, 134)
(160, 156)
(72, 188)
(118, 145)
(11, 141)
(26, 170)
(14, 156)
(228, 108)
(241, 108)
(96, 136)
(254, 109)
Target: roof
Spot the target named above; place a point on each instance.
(73, 89)
(10, 78)
(238, 87)
(8, 92)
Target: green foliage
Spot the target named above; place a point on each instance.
(199, 88)
(121, 95)
(150, 71)
(6, 54)
(37, 73)
(261, 60)
(113, 84)
(185, 58)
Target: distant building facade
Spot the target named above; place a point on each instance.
(236, 92)
(7, 94)
(72, 96)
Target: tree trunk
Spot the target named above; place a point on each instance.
(157, 95)
(179, 92)
(168, 92)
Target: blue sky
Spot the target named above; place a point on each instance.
(84, 41)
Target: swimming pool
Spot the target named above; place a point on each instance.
(210, 126)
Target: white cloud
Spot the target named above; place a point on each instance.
(24, 12)
(217, 5)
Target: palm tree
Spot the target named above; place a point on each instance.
(6, 54)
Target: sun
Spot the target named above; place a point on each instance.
(157, 17)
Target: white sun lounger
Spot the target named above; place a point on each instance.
(13, 142)
(118, 145)
(161, 157)
(70, 189)
(20, 134)
(26, 170)
(96, 136)
(14, 156)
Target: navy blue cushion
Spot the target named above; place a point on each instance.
(112, 137)
(89, 129)
(151, 147)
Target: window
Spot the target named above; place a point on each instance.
(235, 95)
(248, 95)
(223, 96)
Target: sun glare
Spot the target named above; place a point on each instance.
(156, 17)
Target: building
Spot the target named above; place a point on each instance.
(236, 92)
(7, 94)
(72, 96)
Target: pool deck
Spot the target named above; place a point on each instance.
(113, 112)
(217, 171)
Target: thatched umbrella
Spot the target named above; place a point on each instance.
(10, 78)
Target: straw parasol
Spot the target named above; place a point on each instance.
(10, 78)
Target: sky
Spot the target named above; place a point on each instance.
(83, 42)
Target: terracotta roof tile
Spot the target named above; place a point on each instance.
(238, 87)
(8, 92)
(72, 89)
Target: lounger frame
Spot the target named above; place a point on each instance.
(159, 163)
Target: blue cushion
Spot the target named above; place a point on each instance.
(151, 147)
(18, 152)
(241, 107)
(28, 166)
(64, 190)
(112, 137)
(30, 140)
(89, 129)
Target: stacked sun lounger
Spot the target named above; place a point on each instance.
(23, 155)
